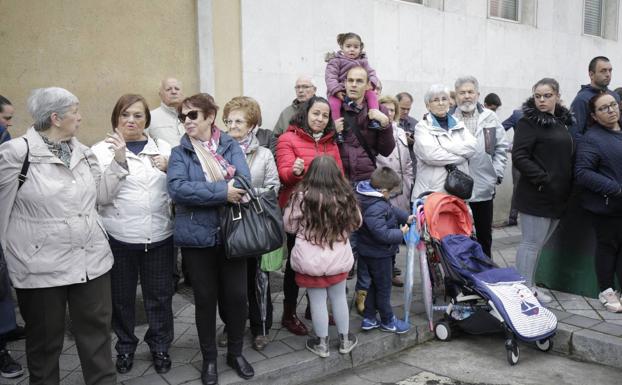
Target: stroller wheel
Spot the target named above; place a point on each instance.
(513, 352)
(442, 331)
(545, 345)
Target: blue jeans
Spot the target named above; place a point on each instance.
(379, 292)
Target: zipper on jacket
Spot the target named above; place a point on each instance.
(606, 200)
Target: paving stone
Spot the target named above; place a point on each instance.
(72, 378)
(151, 379)
(561, 296)
(68, 362)
(560, 314)
(586, 313)
(598, 347)
(609, 328)
(295, 342)
(187, 341)
(180, 328)
(575, 304)
(138, 369)
(182, 374)
(179, 354)
(607, 315)
(581, 321)
(374, 344)
(253, 355)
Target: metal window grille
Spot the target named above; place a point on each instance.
(505, 9)
(593, 17)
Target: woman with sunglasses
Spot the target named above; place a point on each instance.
(543, 154)
(599, 171)
(201, 175)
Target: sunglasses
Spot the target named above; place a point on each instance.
(193, 115)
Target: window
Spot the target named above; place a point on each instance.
(593, 17)
(600, 18)
(438, 4)
(504, 9)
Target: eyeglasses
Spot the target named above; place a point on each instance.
(543, 97)
(613, 106)
(236, 122)
(303, 87)
(193, 115)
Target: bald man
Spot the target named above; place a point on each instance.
(305, 89)
(164, 122)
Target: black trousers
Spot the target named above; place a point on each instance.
(254, 310)
(513, 210)
(155, 267)
(290, 288)
(214, 277)
(90, 309)
(482, 219)
(608, 250)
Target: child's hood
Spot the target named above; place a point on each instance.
(339, 55)
(365, 188)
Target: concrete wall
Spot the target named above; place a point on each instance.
(412, 46)
(98, 50)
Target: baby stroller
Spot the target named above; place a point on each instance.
(483, 297)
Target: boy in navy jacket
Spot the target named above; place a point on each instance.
(378, 242)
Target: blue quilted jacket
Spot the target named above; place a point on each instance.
(197, 201)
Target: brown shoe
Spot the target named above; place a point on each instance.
(260, 342)
(360, 301)
(291, 322)
(397, 281)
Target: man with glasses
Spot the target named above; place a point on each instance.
(164, 123)
(488, 164)
(305, 89)
(599, 70)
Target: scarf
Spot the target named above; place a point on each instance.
(246, 142)
(62, 150)
(215, 167)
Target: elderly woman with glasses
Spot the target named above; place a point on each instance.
(53, 239)
(242, 116)
(140, 229)
(201, 173)
(440, 140)
(543, 154)
(599, 171)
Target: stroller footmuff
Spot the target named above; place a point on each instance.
(487, 292)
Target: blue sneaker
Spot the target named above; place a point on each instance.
(369, 324)
(395, 326)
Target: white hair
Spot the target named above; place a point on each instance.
(306, 78)
(467, 79)
(435, 90)
(43, 102)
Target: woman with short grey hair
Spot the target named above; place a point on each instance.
(440, 140)
(53, 239)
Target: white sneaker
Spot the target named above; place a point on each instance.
(610, 299)
(543, 298)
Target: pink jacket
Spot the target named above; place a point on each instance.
(311, 259)
(337, 68)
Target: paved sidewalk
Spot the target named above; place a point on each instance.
(585, 332)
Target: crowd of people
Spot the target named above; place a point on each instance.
(80, 226)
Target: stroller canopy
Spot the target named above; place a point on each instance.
(446, 214)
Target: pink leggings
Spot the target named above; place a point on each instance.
(335, 103)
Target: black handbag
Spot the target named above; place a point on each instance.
(252, 228)
(458, 183)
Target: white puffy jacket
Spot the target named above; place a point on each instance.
(141, 211)
(435, 148)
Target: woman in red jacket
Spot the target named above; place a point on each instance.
(310, 134)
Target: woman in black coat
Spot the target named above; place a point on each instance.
(542, 154)
(599, 171)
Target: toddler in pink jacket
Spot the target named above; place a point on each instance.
(338, 64)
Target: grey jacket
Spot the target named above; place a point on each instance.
(286, 115)
(487, 165)
(50, 230)
(261, 162)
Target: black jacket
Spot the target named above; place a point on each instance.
(543, 153)
(599, 170)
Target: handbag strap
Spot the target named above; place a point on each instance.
(21, 178)
(246, 186)
(352, 124)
